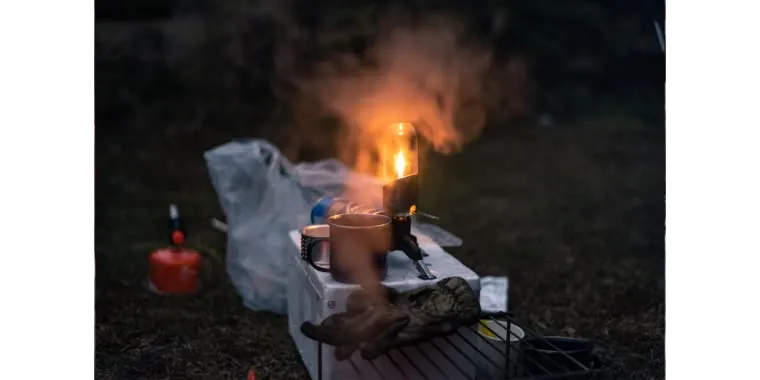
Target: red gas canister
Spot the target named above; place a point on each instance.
(174, 270)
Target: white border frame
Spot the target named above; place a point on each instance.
(47, 192)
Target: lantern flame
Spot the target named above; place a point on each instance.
(400, 164)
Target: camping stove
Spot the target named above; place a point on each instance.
(400, 161)
(400, 194)
(399, 201)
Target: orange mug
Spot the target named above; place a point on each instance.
(358, 248)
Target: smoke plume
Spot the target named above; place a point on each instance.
(423, 70)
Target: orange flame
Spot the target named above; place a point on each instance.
(400, 164)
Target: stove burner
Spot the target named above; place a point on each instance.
(400, 199)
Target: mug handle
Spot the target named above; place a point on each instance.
(310, 260)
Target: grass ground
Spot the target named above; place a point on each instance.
(573, 214)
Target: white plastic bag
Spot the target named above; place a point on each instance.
(264, 197)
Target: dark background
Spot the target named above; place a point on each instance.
(572, 211)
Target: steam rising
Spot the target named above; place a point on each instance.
(422, 75)
(424, 72)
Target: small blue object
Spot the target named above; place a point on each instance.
(320, 209)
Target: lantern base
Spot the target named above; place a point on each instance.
(400, 196)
